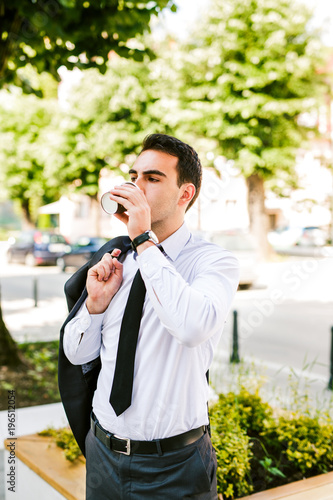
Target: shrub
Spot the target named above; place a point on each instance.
(302, 444)
(259, 449)
(232, 446)
(234, 419)
(64, 439)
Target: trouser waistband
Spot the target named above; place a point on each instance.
(128, 446)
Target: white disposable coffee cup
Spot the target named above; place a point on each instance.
(112, 207)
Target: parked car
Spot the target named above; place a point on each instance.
(297, 240)
(80, 252)
(243, 246)
(36, 247)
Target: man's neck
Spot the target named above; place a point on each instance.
(163, 233)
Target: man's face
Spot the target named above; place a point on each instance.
(156, 175)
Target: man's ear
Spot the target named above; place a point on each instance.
(188, 191)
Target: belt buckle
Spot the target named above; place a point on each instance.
(128, 445)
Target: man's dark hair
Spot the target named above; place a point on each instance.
(189, 167)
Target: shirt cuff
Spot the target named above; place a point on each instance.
(87, 320)
(151, 261)
(82, 336)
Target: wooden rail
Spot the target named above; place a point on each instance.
(315, 488)
(45, 458)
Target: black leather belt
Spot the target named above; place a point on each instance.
(128, 447)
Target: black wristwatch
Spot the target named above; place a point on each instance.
(146, 236)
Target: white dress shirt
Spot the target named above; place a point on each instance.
(189, 293)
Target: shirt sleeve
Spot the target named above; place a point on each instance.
(82, 336)
(191, 312)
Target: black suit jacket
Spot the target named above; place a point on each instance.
(77, 383)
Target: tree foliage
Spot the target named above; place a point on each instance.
(252, 71)
(49, 33)
(49, 148)
(237, 90)
(105, 121)
(25, 123)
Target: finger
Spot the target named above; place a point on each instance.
(126, 192)
(101, 272)
(117, 265)
(104, 268)
(106, 258)
(115, 252)
(122, 200)
(126, 188)
(122, 217)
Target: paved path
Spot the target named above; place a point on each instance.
(27, 323)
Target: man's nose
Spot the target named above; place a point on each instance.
(139, 183)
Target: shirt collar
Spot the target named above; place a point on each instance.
(175, 243)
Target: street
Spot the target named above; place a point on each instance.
(284, 330)
(283, 321)
(21, 286)
(287, 317)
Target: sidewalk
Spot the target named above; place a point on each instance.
(28, 323)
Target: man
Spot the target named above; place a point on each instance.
(152, 442)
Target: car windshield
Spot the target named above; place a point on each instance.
(47, 238)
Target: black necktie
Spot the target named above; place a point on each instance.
(121, 392)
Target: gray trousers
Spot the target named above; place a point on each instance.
(188, 473)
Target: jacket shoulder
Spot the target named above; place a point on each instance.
(76, 283)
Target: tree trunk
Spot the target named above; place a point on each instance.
(27, 220)
(257, 212)
(9, 353)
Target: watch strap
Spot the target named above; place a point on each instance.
(139, 240)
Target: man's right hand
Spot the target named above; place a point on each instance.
(103, 282)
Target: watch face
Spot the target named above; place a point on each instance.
(153, 237)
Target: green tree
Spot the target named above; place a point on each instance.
(25, 134)
(250, 73)
(49, 33)
(103, 125)
(40, 36)
(24, 121)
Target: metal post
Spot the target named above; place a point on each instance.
(35, 292)
(330, 383)
(234, 358)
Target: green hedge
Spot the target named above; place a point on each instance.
(258, 448)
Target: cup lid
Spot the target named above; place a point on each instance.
(108, 205)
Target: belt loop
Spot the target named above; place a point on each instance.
(93, 423)
(159, 448)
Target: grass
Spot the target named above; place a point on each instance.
(37, 382)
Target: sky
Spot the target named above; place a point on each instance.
(189, 11)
